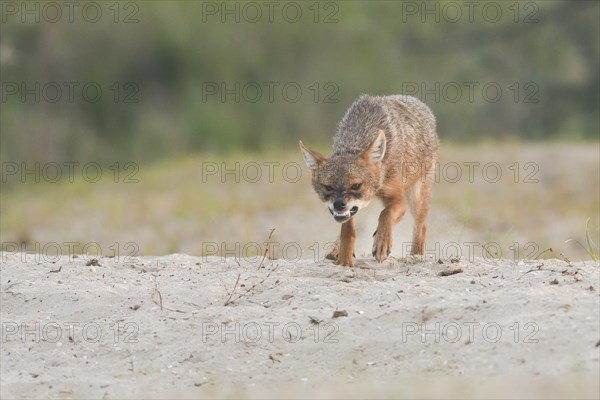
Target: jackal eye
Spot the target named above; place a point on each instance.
(356, 186)
(328, 188)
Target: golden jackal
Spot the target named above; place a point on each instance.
(385, 147)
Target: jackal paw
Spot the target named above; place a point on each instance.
(335, 252)
(416, 250)
(345, 260)
(382, 245)
(334, 255)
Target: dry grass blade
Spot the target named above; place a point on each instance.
(536, 268)
(574, 273)
(250, 289)
(231, 299)
(160, 300)
(228, 301)
(266, 250)
(155, 293)
(590, 243)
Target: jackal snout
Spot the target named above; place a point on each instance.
(341, 210)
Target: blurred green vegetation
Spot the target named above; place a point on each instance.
(543, 55)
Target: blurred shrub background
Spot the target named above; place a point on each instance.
(186, 82)
(543, 55)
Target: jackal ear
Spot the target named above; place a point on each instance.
(312, 158)
(376, 150)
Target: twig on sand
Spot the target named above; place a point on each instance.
(228, 301)
(575, 274)
(156, 291)
(231, 299)
(225, 287)
(160, 299)
(266, 250)
(449, 272)
(249, 290)
(537, 268)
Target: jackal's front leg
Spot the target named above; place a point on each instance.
(335, 251)
(391, 215)
(346, 243)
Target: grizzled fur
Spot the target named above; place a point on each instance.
(385, 147)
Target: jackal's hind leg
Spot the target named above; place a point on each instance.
(418, 199)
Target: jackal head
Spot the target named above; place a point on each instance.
(346, 182)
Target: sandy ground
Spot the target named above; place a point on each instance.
(157, 327)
